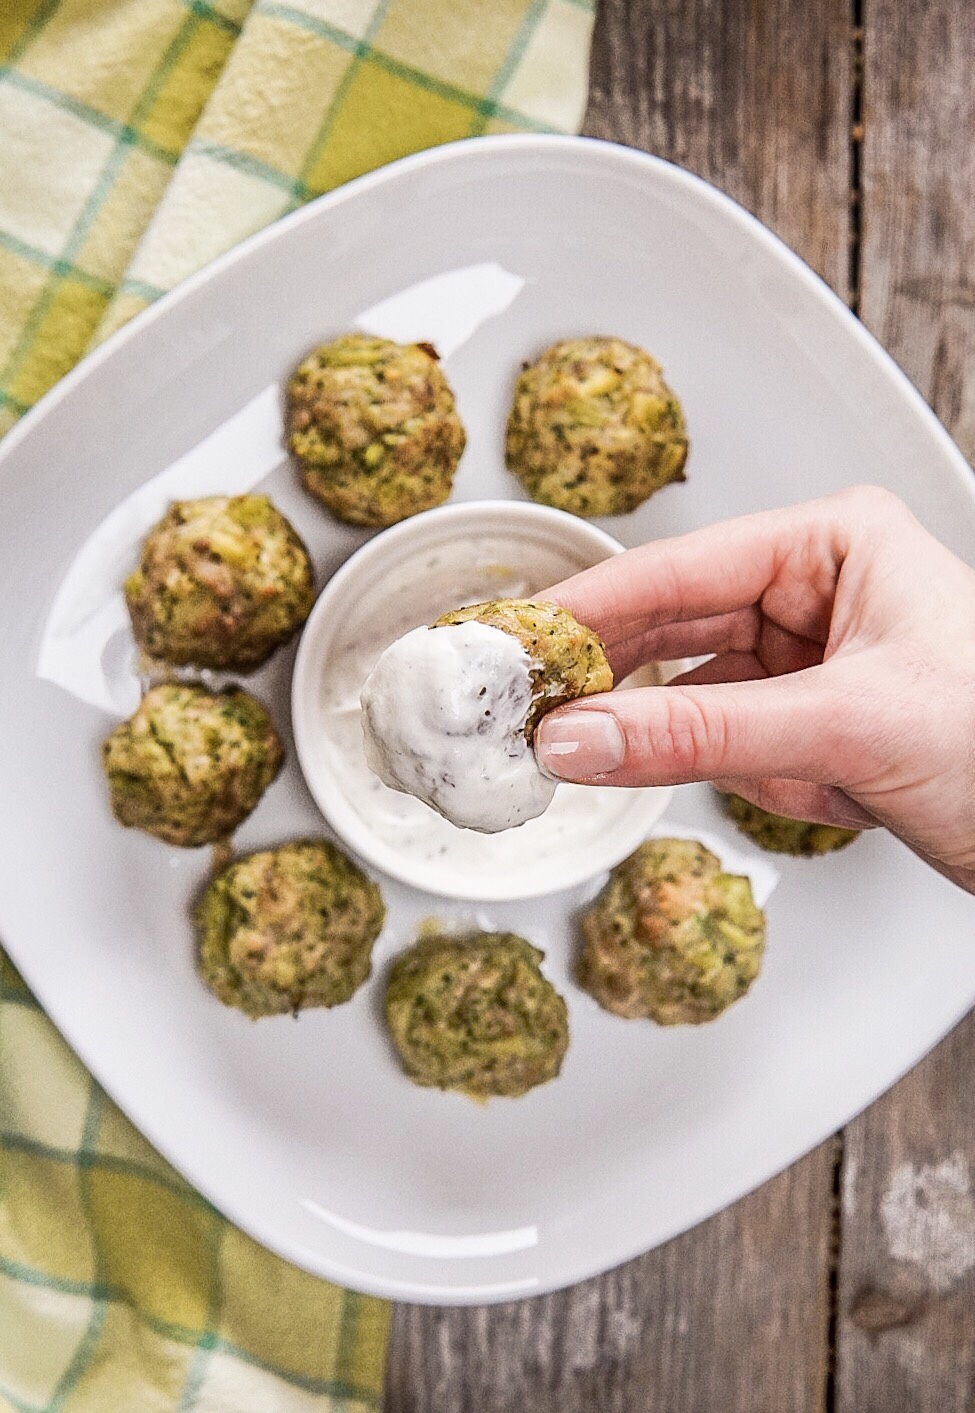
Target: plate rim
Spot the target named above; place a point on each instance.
(541, 143)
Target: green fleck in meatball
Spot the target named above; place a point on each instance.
(288, 928)
(474, 1013)
(781, 835)
(594, 429)
(190, 765)
(375, 429)
(671, 936)
(570, 659)
(221, 583)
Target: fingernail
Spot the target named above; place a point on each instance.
(579, 745)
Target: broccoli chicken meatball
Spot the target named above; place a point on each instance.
(374, 427)
(781, 835)
(671, 936)
(448, 712)
(190, 765)
(474, 1013)
(221, 583)
(568, 660)
(594, 429)
(288, 928)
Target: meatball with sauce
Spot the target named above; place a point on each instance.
(568, 660)
(448, 712)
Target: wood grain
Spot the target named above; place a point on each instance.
(734, 1316)
(906, 1331)
(754, 95)
(918, 198)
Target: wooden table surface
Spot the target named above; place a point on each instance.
(847, 1284)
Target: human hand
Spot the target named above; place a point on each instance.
(842, 683)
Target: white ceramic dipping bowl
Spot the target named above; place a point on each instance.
(407, 576)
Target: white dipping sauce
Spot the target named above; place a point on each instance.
(416, 593)
(443, 718)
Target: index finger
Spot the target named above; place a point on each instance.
(709, 574)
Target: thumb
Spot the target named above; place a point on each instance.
(791, 726)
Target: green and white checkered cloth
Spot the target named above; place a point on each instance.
(122, 1290)
(141, 138)
(138, 140)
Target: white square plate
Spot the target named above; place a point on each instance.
(305, 1133)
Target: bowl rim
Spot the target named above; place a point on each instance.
(391, 547)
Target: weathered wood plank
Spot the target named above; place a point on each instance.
(754, 95)
(906, 1332)
(918, 240)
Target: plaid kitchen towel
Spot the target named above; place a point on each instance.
(139, 139)
(122, 1290)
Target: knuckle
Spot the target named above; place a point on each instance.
(876, 502)
(694, 740)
